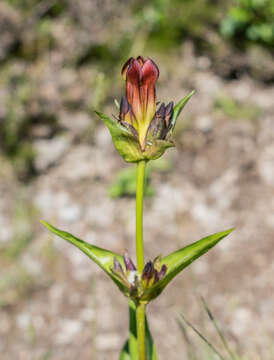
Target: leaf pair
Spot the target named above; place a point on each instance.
(175, 261)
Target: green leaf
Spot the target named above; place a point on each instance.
(125, 352)
(126, 144)
(178, 108)
(103, 258)
(130, 349)
(180, 259)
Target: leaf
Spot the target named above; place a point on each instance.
(130, 349)
(125, 352)
(103, 258)
(180, 259)
(126, 144)
(178, 108)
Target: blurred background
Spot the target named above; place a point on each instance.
(60, 59)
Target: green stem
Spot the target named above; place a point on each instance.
(141, 331)
(141, 308)
(139, 215)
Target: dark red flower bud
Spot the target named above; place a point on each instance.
(141, 76)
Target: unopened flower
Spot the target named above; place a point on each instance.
(138, 284)
(138, 107)
(142, 132)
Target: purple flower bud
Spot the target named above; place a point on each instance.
(117, 266)
(129, 263)
(124, 108)
(168, 113)
(148, 271)
(161, 111)
(162, 272)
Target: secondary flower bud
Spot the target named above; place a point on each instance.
(137, 285)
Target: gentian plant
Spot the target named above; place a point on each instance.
(141, 133)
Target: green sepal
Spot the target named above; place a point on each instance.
(180, 259)
(177, 110)
(130, 349)
(156, 149)
(103, 258)
(128, 145)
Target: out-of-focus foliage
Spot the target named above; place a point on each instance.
(250, 20)
(168, 23)
(125, 183)
(235, 109)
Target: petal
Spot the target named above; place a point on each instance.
(133, 78)
(125, 67)
(141, 60)
(150, 72)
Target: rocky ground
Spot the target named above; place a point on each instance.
(57, 305)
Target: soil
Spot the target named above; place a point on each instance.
(58, 305)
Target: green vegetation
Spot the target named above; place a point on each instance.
(168, 23)
(125, 183)
(250, 20)
(236, 109)
(23, 232)
(210, 351)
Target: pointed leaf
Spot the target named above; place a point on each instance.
(125, 352)
(180, 259)
(103, 258)
(126, 144)
(178, 108)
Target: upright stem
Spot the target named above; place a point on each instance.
(139, 215)
(141, 331)
(141, 308)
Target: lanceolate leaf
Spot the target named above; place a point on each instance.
(180, 259)
(178, 108)
(103, 258)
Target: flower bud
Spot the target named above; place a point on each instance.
(141, 132)
(137, 285)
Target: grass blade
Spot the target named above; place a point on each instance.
(218, 329)
(203, 337)
(190, 351)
